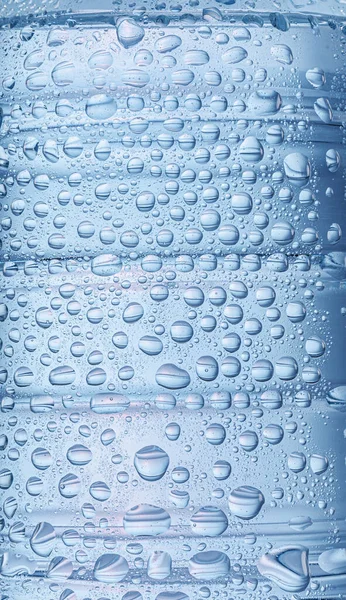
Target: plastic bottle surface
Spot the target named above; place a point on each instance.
(173, 300)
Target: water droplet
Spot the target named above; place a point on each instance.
(69, 485)
(209, 521)
(110, 568)
(172, 377)
(282, 53)
(167, 43)
(251, 149)
(287, 567)
(209, 565)
(109, 403)
(333, 561)
(43, 538)
(79, 455)
(159, 565)
(297, 169)
(100, 107)
(234, 55)
(129, 33)
(146, 519)
(63, 73)
(316, 77)
(151, 463)
(246, 502)
(323, 110)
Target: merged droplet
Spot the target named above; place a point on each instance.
(333, 561)
(109, 403)
(287, 567)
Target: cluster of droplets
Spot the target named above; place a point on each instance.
(183, 148)
(167, 317)
(89, 336)
(222, 371)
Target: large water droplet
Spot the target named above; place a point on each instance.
(146, 519)
(151, 463)
(42, 540)
(287, 567)
(245, 502)
(110, 568)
